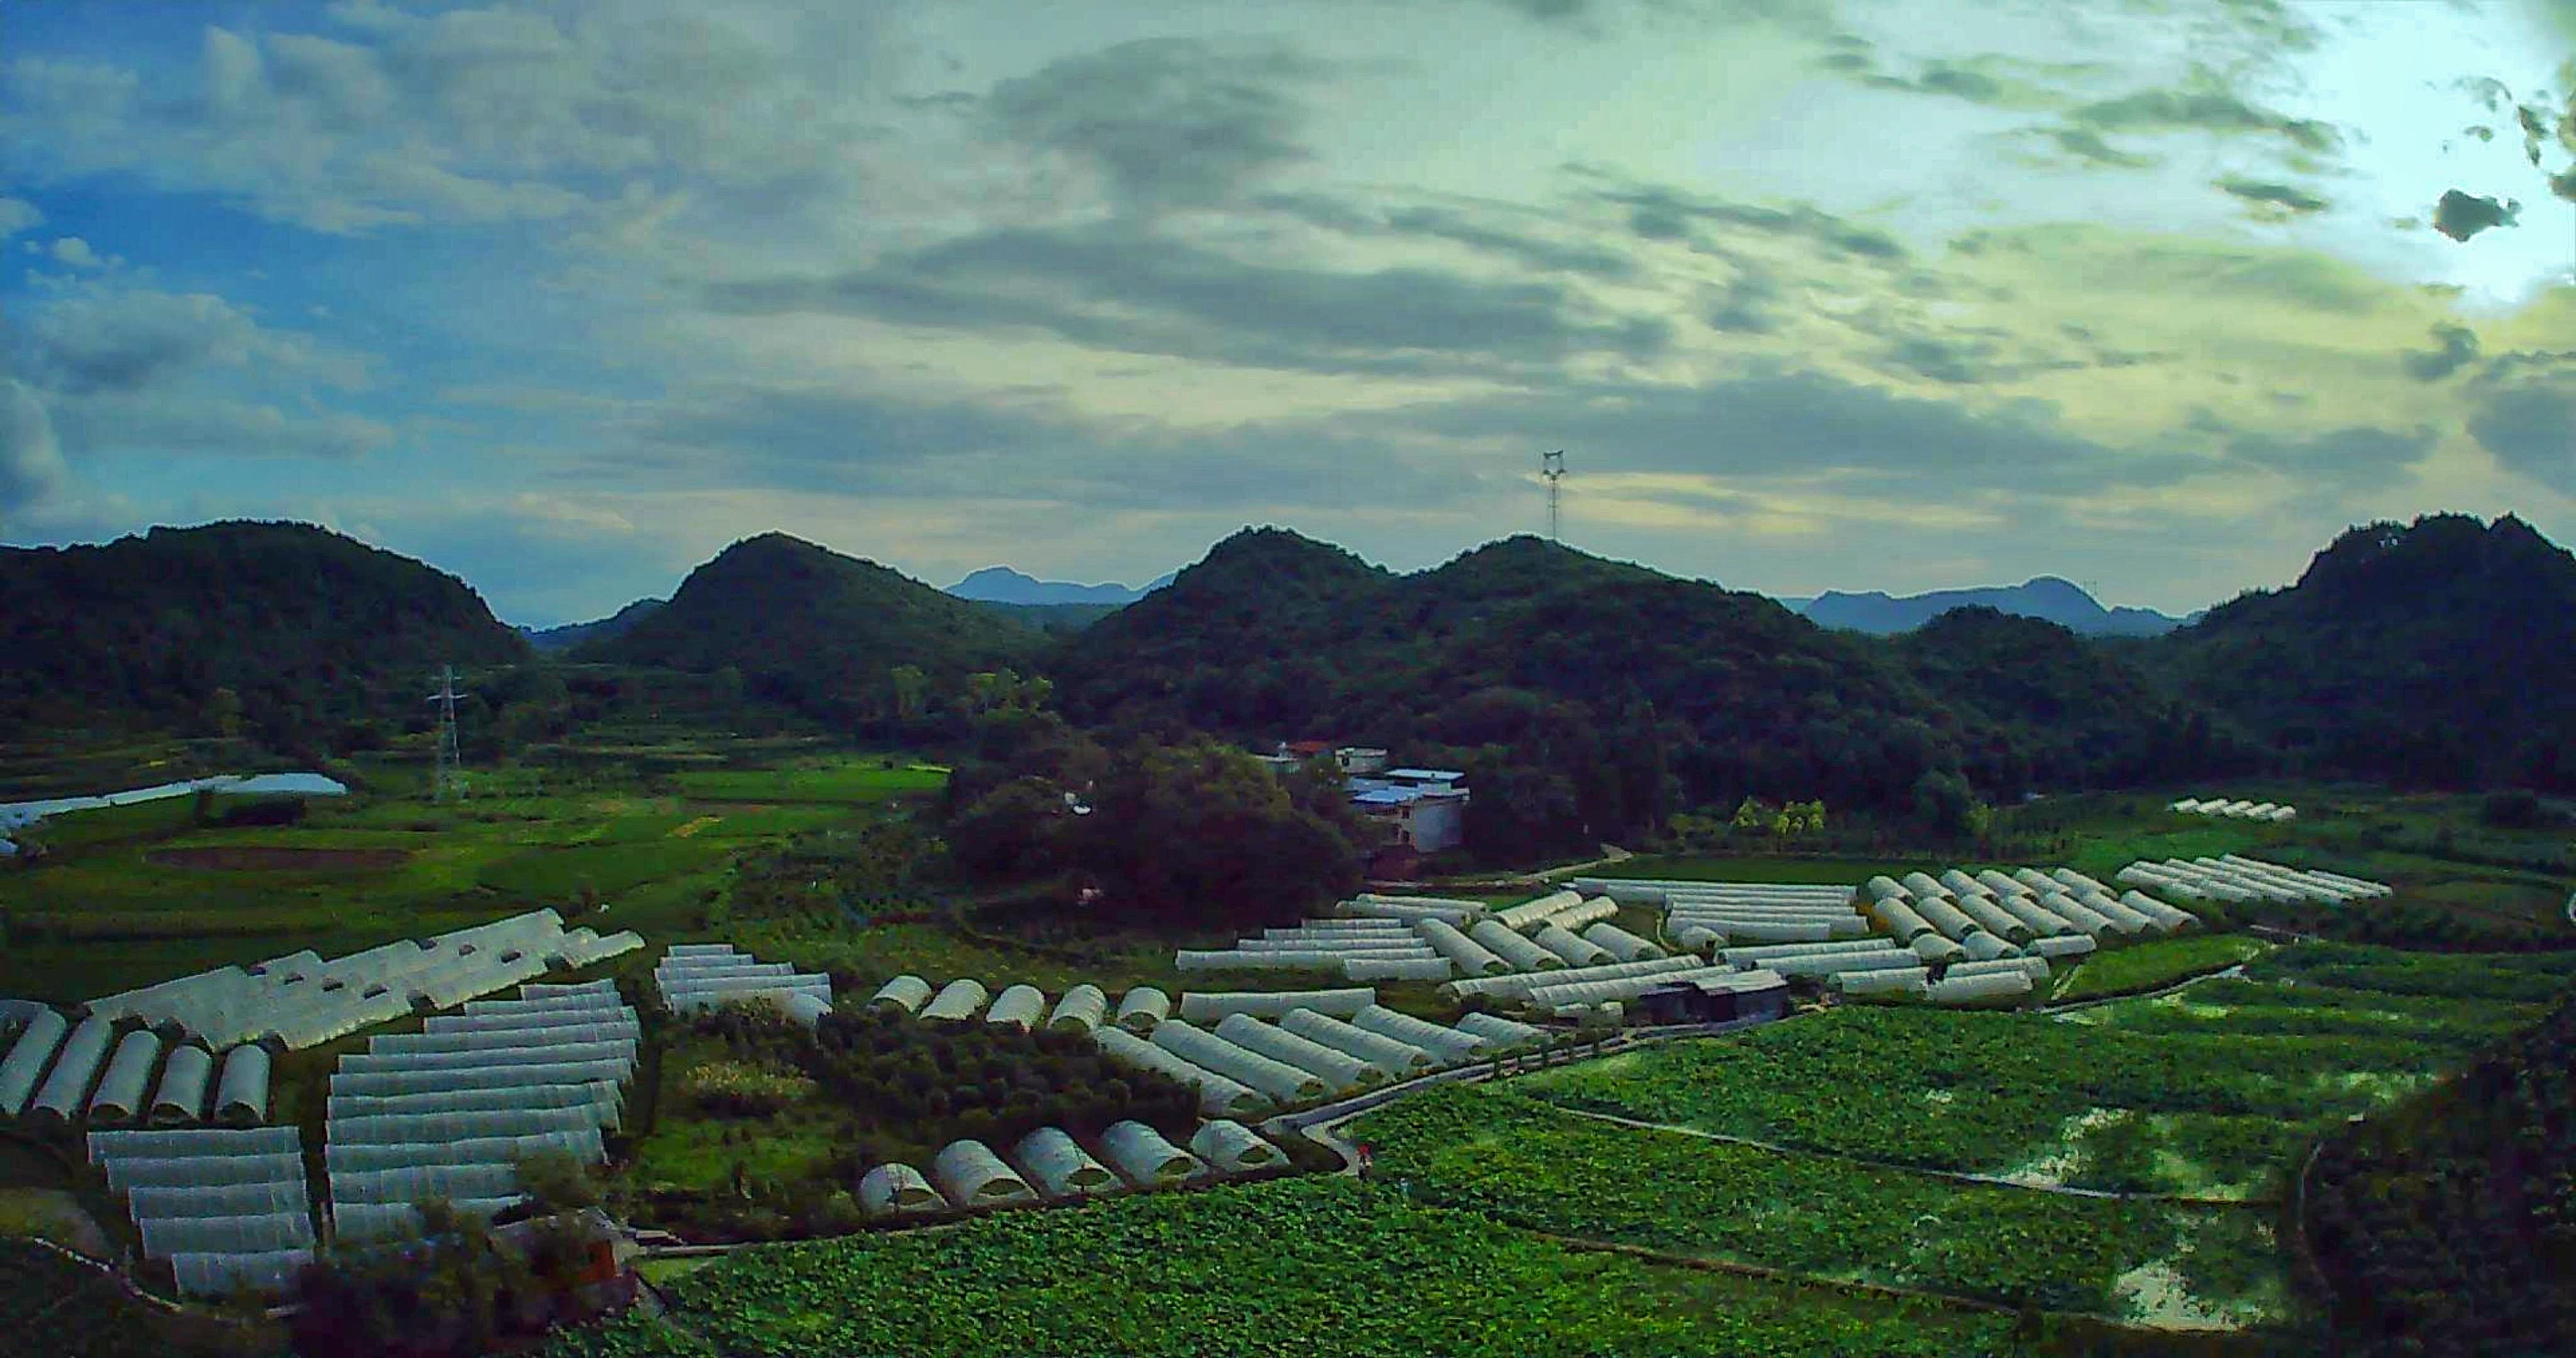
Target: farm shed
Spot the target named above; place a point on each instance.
(593, 1025)
(2070, 877)
(1471, 957)
(208, 1200)
(1885, 888)
(1962, 886)
(1060, 1167)
(2039, 882)
(401, 1127)
(1081, 1009)
(581, 1144)
(1592, 911)
(218, 1275)
(1995, 920)
(2072, 945)
(1501, 988)
(1619, 943)
(107, 1146)
(1757, 955)
(1343, 1072)
(1231, 1147)
(1530, 912)
(1395, 969)
(1576, 952)
(1920, 885)
(1143, 1007)
(1621, 891)
(2167, 918)
(27, 1058)
(1201, 960)
(969, 1174)
(384, 1083)
(1990, 988)
(1713, 931)
(907, 993)
(1447, 1044)
(425, 1181)
(129, 1075)
(1944, 915)
(1396, 1060)
(1473, 907)
(75, 1067)
(607, 1098)
(1522, 954)
(2036, 968)
(1827, 964)
(1206, 1050)
(1217, 1093)
(1209, 1006)
(894, 1189)
(2039, 920)
(2083, 918)
(601, 991)
(2002, 887)
(1901, 920)
(360, 1222)
(1019, 1006)
(1914, 981)
(1367, 909)
(1501, 1034)
(1986, 947)
(957, 1001)
(208, 1170)
(165, 1236)
(1144, 1155)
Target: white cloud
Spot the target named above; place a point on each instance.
(73, 252)
(31, 461)
(16, 215)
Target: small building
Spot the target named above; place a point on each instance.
(1714, 1002)
(1426, 820)
(1360, 759)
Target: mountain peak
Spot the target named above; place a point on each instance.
(1009, 585)
(2049, 598)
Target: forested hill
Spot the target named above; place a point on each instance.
(296, 622)
(571, 634)
(2432, 653)
(813, 628)
(2058, 601)
(1571, 685)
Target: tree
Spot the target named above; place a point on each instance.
(224, 713)
(1944, 802)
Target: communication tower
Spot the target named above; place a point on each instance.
(451, 759)
(1551, 466)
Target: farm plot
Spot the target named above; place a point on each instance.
(1518, 1160)
(1293, 1266)
(2217, 1105)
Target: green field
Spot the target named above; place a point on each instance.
(838, 781)
(2153, 963)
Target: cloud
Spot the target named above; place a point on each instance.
(1475, 230)
(73, 252)
(1662, 213)
(2204, 106)
(124, 339)
(1154, 295)
(2459, 348)
(16, 215)
(2273, 202)
(2348, 458)
(31, 460)
(2460, 216)
(2531, 429)
(2088, 146)
(1743, 305)
(1171, 122)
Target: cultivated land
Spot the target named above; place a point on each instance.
(2109, 1177)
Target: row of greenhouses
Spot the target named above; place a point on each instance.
(1051, 1165)
(2233, 810)
(1248, 1053)
(301, 1000)
(453, 1110)
(2232, 878)
(697, 976)
(1435, 939)
(226, 1209)
(111, 1074)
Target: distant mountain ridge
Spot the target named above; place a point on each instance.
(2045, 597)
(571, 634)
(1006, 585)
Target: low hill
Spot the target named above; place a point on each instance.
(571, 634)
(2433, 653)
(1055, 619)
(2046, 597)
(297, 622)
(813, 628)
(1003, 585)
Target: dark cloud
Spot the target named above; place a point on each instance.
(1743, 306)
(2274, 200)
(2088, 146)
(1456, 227)
(2531, 429)
(2487, 90)
(1144, 294)
(1962, 360)
(2460, 215)
(2459, 348)
(1804, 424)
(2344, 458)
(1550, 11)
(1172, 122)
(2205, 107)
(1659, 213)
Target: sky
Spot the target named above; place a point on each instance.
(564, 296)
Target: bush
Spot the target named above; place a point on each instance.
(2514, 809)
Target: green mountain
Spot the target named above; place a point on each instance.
(298, 622)
(815, 629)
(2434, 653)
(2046, 597)
(552, 639)
(1583, 685)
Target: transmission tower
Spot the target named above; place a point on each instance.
(1551, 466)
(451, 759)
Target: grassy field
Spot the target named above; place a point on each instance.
(835, 781)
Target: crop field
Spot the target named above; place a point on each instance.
(1293, 1266)
(2154, 963)
(1506, 1155)
(67, 1311)
(2208, 1092)
(837, 781)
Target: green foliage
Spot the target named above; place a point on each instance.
(815, 630)
(61, 1309)
(2147, 965)
(1317, 1265)
(2450, 1225)
(1503, 1155)
(269, 628)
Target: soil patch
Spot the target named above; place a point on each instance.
(271, 858)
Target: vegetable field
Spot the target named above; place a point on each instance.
(2156, 963)
(1291, 1266)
